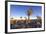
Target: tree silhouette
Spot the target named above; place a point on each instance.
(21, 17)
(12, 18)
(29, 12)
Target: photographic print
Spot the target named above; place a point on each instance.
(24, 16)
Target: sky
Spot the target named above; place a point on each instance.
(20, 10)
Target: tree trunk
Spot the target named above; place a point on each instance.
(28, 18)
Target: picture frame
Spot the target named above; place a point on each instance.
(23, 3)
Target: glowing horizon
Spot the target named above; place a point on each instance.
(23, 18)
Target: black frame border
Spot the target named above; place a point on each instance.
(6, 28)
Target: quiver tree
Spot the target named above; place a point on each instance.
(29, 12)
